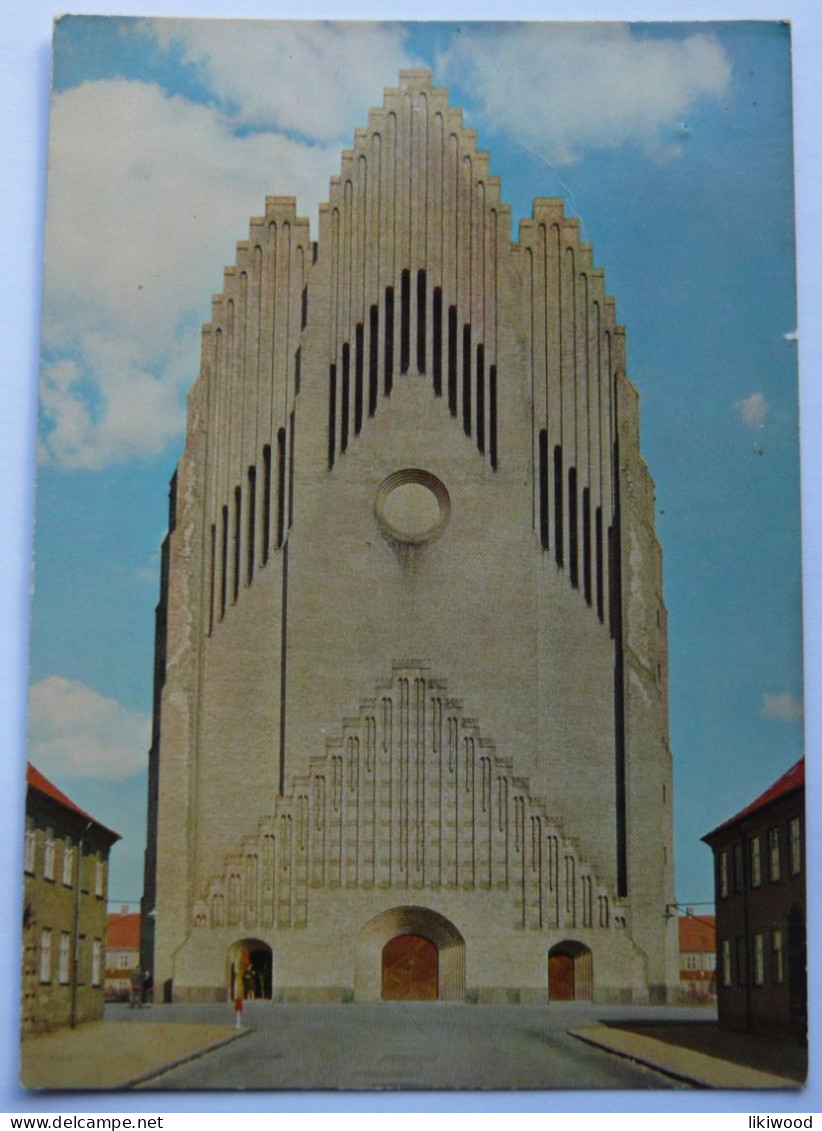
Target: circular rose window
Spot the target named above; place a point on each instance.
(412, 505)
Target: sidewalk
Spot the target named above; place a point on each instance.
(703, 1055)
(114, 1054)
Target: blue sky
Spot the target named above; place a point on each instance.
(671, 143)
(675, 153)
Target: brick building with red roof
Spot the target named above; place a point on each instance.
(697, 957)
(122, 953)
(759, 859)
(64, 910)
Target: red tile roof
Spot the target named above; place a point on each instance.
(123, 932)
(791, 780)
(697, 932)
(38, 781)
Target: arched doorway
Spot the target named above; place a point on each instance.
(249, 970)
(410, 969)
(570, 972)
(409, 954)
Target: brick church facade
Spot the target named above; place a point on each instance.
(410, 726)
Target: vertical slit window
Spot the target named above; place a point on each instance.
(238, 509)
(298, 365)
(266, 502)
(346, 378)
(492, 417)
(389, 340)
(280, 486)
(373, 358)
(613, 595)
(437, 341)
(466, 379)
(359, 361)
(452, 359)
(224, 564)
(252, 520)
(291, 470)
(586, 543)
(558, 508)
(212, 568)
(405, 321)
(421, 297)
(481, 398)
(332, 414)
(573, 527)
(304, 309)
(543, 488)
(599, 553)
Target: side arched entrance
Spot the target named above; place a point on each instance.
(409, 954)
(249, 970)
(570, 972)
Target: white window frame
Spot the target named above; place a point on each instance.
(773, 855)
(48, 854)
(723, 874)
(759, 960)
(756, 862)
(63, 961)
(795, 845)
(99, 886)
(30, 845)
(777, 958)
(68, 861)
(45, 955)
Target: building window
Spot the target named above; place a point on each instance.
(29, 852)
(99, 875)
(68, 862)
(710, 961)
(773, 854)
(45, 955)
(777, 959)
(124, 962)
(739, 868)
(727, 978)
(63, 967)
(95, 962)
(741, 962)
(691, 962)
(723, 875)
(795, 845)
(756, 866)
(759, 960)
(48, 859)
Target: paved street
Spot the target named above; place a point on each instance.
(396, 1045)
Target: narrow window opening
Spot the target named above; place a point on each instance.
(389, 340)
(252, 520)
(481, 398)
(358, 377)
(421, 327)
(291, 470)
(573, 531)
(212, 568)
(346, 367)
(332, 414)
(280, 486)
(558, 508)
(304, 309)
(599, 549)
(405, 321)
(373, 359)
(452, 360)
(172, 504)
(543, 488)
(492, 416)
(224, 564)
(466, 379)
(238, 510)
(613, 594)
(586, 543)
(298, 365)
(266, 502)
(437, 341)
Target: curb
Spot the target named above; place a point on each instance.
(153, 1073)
(681, 1077)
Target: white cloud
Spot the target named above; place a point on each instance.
(148, 196)
(752, 411)
(314, 79)
(792, 336)
(76, 732)
(784, 707)
(563, 88)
